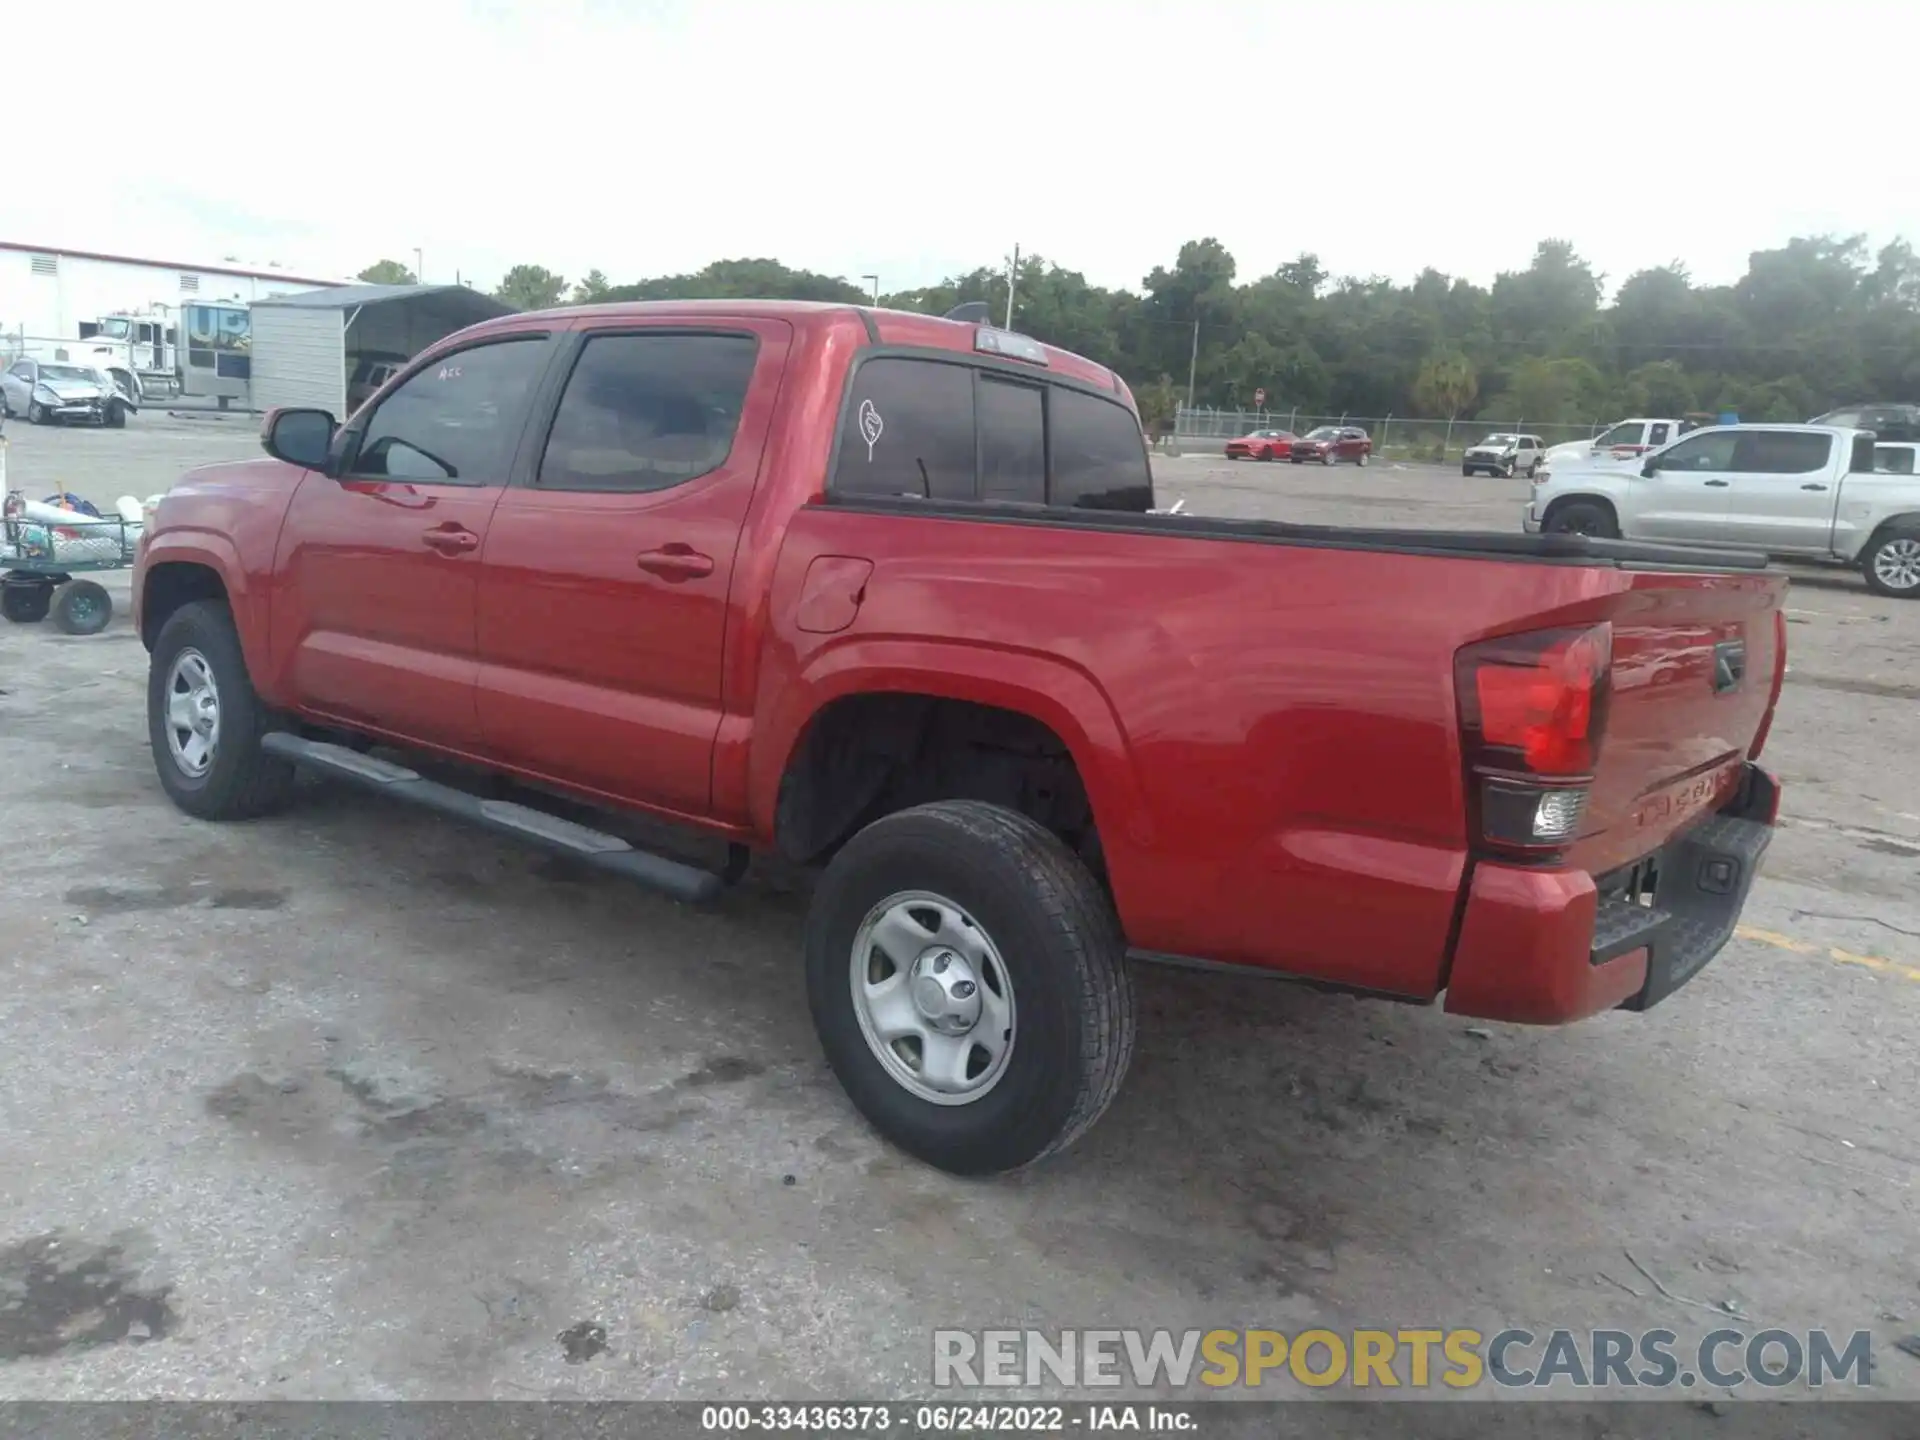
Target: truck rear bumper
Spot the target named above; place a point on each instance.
(1545, 947)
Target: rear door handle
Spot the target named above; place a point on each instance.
(676, 562)
(1716, 484)
(451, 539)
(1813, 487)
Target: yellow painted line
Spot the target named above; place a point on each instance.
(1827, 952)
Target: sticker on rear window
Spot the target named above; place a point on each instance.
(871, 426)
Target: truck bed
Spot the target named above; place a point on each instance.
(1274, 705)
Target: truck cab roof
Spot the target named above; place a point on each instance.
(902, 329)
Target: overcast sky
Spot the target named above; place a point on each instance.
(921, 138)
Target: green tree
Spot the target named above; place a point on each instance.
(387, 272)
(590, 291)
(1446, 386)
(531, 287)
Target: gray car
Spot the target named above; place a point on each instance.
(46, 391)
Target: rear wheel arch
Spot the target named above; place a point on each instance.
(1907, 523)
(871, 753)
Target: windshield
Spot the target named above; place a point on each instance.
(1627, 434)
(65, 372)
(1501, 440)
(1325, 432)
(115, 329)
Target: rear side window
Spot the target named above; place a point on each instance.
(1013, 441)
(1781, 452)
(455, 421)
(1099, 460)
(1657, 435)
(648, 412)
(908, 431)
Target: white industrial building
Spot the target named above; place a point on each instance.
(50, 292)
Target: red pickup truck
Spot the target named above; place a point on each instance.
(886, 593)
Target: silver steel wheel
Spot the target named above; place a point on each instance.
(1896, 564)
(193, 713)
(933, 998)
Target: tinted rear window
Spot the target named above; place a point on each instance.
(1099, 459)
(909, 431)
(1013, 441)
(1781, 452)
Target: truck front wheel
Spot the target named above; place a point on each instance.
(205, 722)
(1583, 517)
(1892, 564)
(967, 978)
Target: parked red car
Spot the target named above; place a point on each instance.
(1332, 444)
(887, 594)
(1262, 445)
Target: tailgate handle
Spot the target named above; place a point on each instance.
(1729, 665)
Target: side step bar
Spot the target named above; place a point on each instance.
(688, 883)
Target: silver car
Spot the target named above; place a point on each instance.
(1505, 454)
(46, 391)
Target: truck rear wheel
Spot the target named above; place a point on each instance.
(967, 978)
(1892, 564)
(204, 721)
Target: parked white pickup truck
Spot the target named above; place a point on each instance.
(1621, 444)
(1801, 492)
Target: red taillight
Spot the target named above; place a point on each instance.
(1532, 711)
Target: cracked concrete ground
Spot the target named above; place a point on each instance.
(358, 1103)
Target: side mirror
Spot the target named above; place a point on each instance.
(299, 437)
(1649, 470)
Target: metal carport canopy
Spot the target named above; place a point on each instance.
(301, 342)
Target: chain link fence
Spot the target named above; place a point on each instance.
(1398, 437)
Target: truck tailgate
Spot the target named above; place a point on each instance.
(1697, 661)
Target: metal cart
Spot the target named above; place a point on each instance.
(40, 560)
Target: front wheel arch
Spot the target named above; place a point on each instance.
(1597, 502)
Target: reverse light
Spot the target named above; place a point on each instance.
(1532, 711)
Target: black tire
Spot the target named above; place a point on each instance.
(82, 607)
(1468, 470)
(1877, 567)
(1583, 517)
(242, 781)
(1267, 454)
(1506, 470)
(116, 416)
(36, 413)
(1330, 458)
(25, 604)
(1064, 957)
(1533, 469)
(1233, 457)
(1296, 459)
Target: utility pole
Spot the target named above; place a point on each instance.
(1193, 363)
(1013, 281)
(876, 289)
(419, 267)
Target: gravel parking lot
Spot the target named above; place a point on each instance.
(354, 1102)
